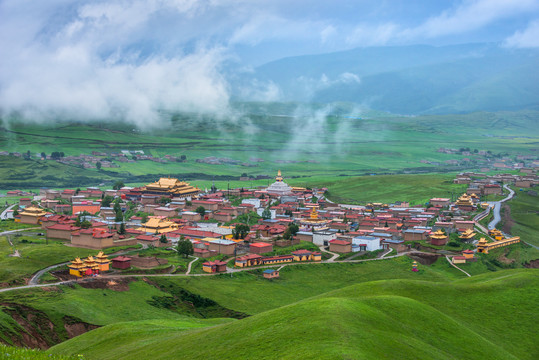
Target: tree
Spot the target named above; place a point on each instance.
(163, 239)
(240, 231)
(183, 157)
(314, 199)
(144, 218)
(85, 224)
(121, 231)
(119, 216)
(98, 165)
(77, 191)
(15, 212)
(118, 185)
(43, 155)
(266, 214)
(201, 210)
(62, 154)
(107, 200)
(188, 203)
(164, 200)
(184, 247)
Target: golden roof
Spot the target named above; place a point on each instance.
(279, 177)
(33, 211)
(160, 225)
(482, 241)
(314, 214)
(438, 234)
(77, 264)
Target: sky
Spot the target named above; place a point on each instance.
(129, 59)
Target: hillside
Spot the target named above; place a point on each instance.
(413, 79)
(488, 316)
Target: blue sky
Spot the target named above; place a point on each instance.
(129, 57)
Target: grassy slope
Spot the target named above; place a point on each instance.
(416, 189)
(491, 316)
(242, 292)
(524, 213)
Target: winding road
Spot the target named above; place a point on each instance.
(497, 206)
(280, 266)
(3, 215)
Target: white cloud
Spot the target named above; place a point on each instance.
(470, 15)
(528, 38)
(82, 70)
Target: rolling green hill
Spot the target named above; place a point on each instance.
(489, 316)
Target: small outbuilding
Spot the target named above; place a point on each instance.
(121, 262)
(271, 274)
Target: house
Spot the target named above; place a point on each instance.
(260, 248)
(302, 255)
(340, 246)
(61, 231)
(201, 252)
(25, 202)
(271, 274)
(191, 216)
(414, 234)
(222, 246)
(277, 259)
(459, 260)
(214, 266)
(368, 243)
(248, 260)
(121, 262)
(165, 211)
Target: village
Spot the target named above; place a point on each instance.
(247, 228)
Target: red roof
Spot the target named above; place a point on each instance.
(196, 233)
(122, 258)
(216, 262)
(66, 227)
(340, 242)
(248, 257)
(260, 244)
(278, 257)
(302, 251)
(459, 257)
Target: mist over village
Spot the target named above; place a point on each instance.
(267, 179)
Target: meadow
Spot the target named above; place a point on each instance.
(404, 319)
(309, 148)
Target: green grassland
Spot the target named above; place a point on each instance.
(416, 189)
(524, 213)
(489, 316)
(304, 147)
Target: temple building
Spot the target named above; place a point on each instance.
(438, 238)
(170, 187)
(102, 261)
(484, 247)
(157, 225)
(496, 234)
(92, 267)
(77, 267)
(32, 215)
(313, 222)
(467, 235)
(279, 187)
(465, 203)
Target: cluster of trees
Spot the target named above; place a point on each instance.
(291, 231)
(55, 155)
(240, 231)
(201, 210)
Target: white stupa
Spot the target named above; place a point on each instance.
(279, 187)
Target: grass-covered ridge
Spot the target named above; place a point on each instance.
(489, 316)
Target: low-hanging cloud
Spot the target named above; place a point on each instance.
(79, 70)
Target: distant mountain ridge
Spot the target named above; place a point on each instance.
(413, 79)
